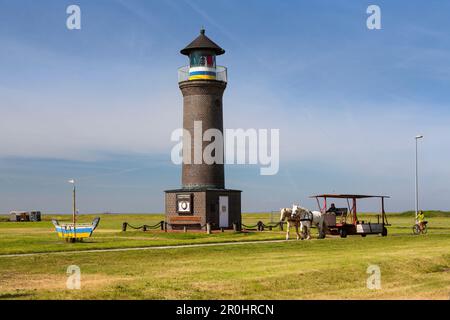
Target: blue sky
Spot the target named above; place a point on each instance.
(99, 104)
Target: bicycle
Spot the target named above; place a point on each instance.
(416, 228)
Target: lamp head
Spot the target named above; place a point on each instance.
(419, 137)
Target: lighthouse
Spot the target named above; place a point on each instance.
(202, 197)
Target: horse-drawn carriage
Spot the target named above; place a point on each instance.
(344, 221)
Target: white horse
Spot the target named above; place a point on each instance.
(286, 214)
(307, 219)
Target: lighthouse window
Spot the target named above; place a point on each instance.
(195, 60)
(210, 61)
(202, 60)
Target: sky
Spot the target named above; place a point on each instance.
(99, 104)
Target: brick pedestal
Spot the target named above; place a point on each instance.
(204, 208)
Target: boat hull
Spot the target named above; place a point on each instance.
(69, 231)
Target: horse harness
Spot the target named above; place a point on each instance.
(306, 215)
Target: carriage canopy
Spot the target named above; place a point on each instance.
(352, 208)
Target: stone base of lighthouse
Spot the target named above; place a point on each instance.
(194, 208)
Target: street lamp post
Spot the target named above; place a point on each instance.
(74, 208)
(417, 177)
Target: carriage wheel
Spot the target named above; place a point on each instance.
(343, 233)
(425, 229)
(363, 235)
(384, 233)
(416, 229)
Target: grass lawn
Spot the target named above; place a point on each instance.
(411, 266)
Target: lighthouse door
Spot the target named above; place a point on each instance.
(223, 212)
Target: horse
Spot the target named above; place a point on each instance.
(307, 219)
(286, 214)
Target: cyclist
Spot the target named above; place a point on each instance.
(420, 220)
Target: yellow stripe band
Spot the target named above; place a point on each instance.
(207, 77)
(72, 235)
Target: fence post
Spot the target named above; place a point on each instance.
(162, 225)
(208, 228)
(124, 226)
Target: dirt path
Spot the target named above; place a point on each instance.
(140, 248)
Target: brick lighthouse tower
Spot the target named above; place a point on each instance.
(202, 198)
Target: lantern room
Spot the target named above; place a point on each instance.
(202, 54)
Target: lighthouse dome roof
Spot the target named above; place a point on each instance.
(202, 42)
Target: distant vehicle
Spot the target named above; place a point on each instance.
(25, 216)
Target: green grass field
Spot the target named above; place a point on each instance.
(412, 267)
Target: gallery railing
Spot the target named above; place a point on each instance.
(221, 74)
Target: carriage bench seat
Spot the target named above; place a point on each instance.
(341, 212)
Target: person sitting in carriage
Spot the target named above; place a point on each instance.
(332, 209)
